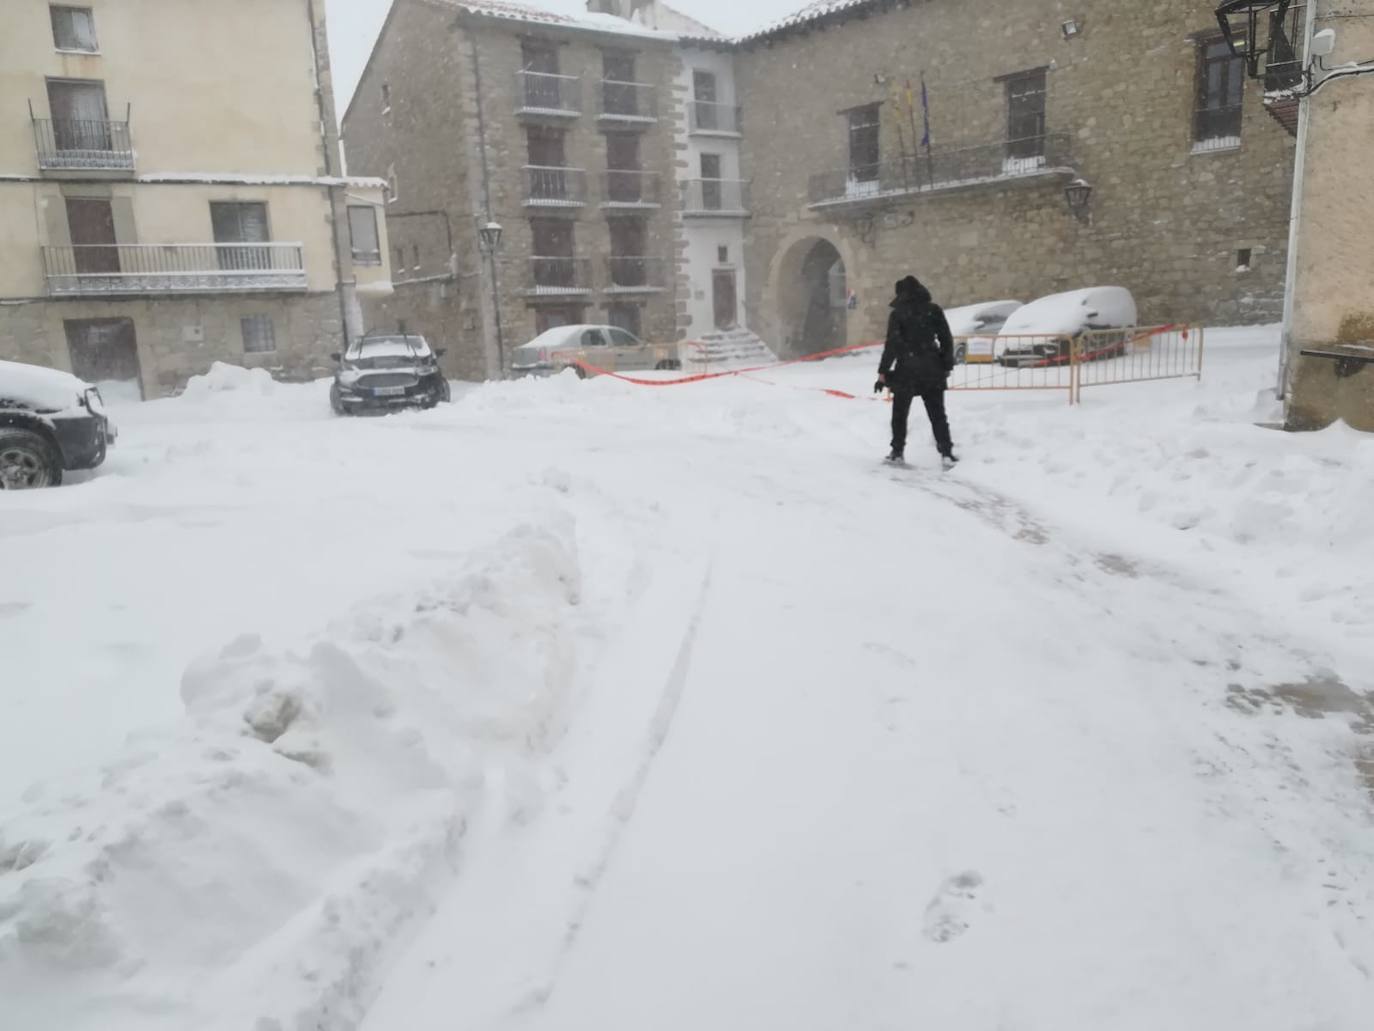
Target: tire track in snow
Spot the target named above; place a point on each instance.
(626, 801)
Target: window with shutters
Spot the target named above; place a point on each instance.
(259, 334)
(864, 143)
(73, 28)
(1026, 115)
(236, 225)
(362, 230)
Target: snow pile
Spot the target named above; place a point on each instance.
(248, 866)
(223, 378)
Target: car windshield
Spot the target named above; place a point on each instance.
(388, 352)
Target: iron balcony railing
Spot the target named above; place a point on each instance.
(559, 277)
(628, 102)
(944, 168)
(542, 93)
(83, 144)
(715, 197)
(173, 268)
(706, 118)
(636, 275)
(631, 188)
(549, 186)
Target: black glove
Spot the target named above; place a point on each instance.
(880, 386)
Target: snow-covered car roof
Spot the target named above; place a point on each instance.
(39, 388)
(965, 320)
(1074, 311)
(397, 346)
(563, 336)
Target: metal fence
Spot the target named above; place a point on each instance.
(83, 144)
(1071, 364)
(555, 187)
(631, 188)
(543, 93)
(725, 197)
(944, 168)
(706, 117)
(628, 101)
(173, 268)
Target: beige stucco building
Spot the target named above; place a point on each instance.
(1329, 369)
(165, 203)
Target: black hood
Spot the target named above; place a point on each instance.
(911, 292)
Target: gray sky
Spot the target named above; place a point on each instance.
(354, 24)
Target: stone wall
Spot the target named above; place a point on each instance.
(1167, 222)
(182, 337)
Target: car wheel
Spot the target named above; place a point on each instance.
(446, 393)
(27, 461)
(335, 403)
(668, 365)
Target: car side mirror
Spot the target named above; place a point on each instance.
(1092, 314)
(336, 356)
(439, 352)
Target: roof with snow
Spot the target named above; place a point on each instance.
(819, 12)
(505, 10)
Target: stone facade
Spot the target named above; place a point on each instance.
(1169, 220)
(438, 112)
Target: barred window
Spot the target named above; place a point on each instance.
(259, 334)
(73, 28)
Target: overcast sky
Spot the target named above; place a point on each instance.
(354, 24)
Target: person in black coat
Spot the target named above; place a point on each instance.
(917, 360)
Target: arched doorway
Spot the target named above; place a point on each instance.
(812, 297)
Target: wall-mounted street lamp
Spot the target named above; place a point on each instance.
(489, 238)
(1079, 195)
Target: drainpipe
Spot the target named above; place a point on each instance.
(346, 287)
(486, 207)
(1295, 218)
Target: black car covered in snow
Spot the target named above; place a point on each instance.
(50, 422)
(383, 373)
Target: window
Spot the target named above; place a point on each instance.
(80, 118)
(236, 224)
(73, 28)
(393, 185)
(400, 257)
(1026, 117)
(415, 257)
(547, 318)
(618, 93)
(362, 230)
(705, 95)
(722, 255)
(1220, 89)
(711, 199)
(1243, 257)
(552, 254)
(539, 63)
(629, 238)
(259, 335)
(624, 180)
(547, 148)
(864, 152)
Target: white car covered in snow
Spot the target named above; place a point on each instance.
(975, 327)
(1044, 332)
(586, 348)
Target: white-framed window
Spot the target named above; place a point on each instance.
(362, 230)
(73, 28)
(259, 334)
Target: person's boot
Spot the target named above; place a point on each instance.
(948, 459)
(895, 457)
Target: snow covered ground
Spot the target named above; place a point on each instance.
(587, 705)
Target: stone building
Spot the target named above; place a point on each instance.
(165, 204)
(939, 136)
(561, 131)
(1310, 65)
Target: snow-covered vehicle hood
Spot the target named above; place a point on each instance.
(48, 392)
(972, 318)
(1068, 314)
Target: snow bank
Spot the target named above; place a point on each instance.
(223, 378)
(47, 389)
(248, 866)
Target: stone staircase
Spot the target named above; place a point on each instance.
(726, 349)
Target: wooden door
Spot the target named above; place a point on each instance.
(91, 225)
(105, 352)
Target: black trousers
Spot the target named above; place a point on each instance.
(935, 409)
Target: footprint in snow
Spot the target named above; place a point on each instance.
(951, 910)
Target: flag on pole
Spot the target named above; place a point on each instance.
(925, 112)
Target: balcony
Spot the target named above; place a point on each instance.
(550, 186)
(707, 118)
(555, 277)
(631, 188)
(637, 275)
(173, 268)
(67, 145)
(1015, 162)
(542, 95)
(627, 103)
(715, 198)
